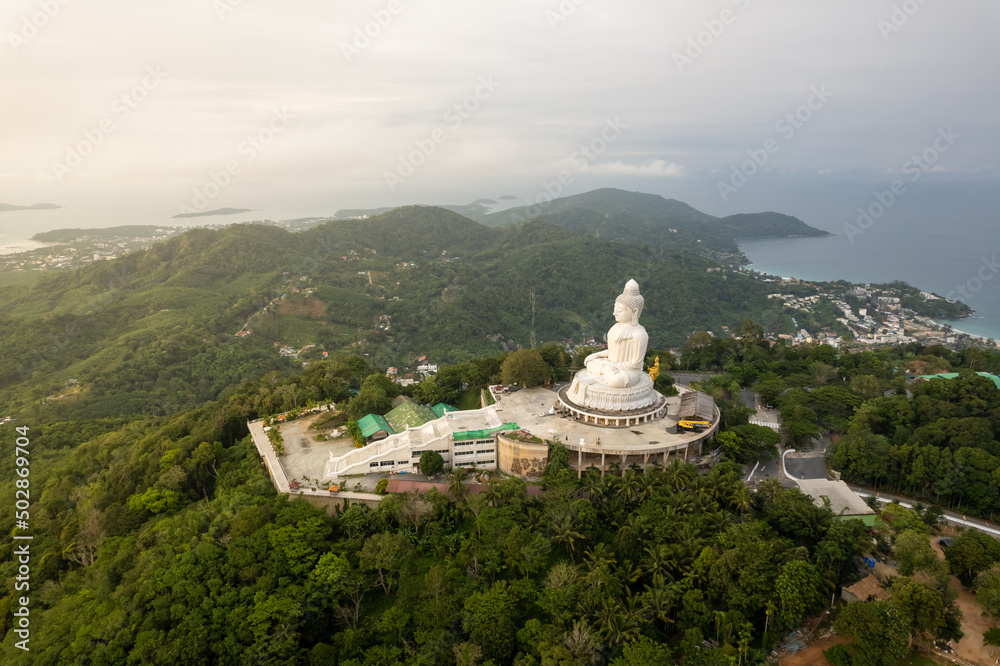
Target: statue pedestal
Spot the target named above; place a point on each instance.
(589, 390)
(638, 404)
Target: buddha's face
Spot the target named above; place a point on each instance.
(623, 315)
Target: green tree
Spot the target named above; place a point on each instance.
(155, 500)
(971, 553)
(988, 592)
(914, 553)
(488, 618)
(385, 554)
(431, 463)
(643, 652)
(879, 631)
(922, 606)
(374, 397)
(798, 587)
(525, 367)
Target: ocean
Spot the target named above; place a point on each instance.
(957, 261)
(18, 226)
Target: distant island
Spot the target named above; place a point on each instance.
(39, 206)
(217, 211)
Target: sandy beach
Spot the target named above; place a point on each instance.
(24, 246)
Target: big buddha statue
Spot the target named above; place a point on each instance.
(613, 379)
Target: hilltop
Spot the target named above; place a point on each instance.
(617, 215)
(634, 217)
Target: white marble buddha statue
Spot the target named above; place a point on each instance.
(613, 379)
(620, 365)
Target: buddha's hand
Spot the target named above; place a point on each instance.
(595, 356)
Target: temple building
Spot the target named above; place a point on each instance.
(609, 415)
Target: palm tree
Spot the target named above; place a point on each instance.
(617, 623)
(600, 555)
(655, 561)
(634, 527)
(677, 474)
(657, 600)
(563, 532)
(628, 486)
(628, 573)
(647, 486)
(741, 499)
(456, 483)
(494, 492)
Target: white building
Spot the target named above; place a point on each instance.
(464, 439)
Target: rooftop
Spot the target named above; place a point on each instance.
(373, 423)
(843, 500)
(443, 408)
(409, 415)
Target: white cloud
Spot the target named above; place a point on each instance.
(655, 168)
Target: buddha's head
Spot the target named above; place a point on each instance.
(628, 306)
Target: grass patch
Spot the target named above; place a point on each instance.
(468, 400)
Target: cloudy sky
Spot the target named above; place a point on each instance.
(318, 105)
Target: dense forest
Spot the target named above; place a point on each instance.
(161, 539)
(164, 542)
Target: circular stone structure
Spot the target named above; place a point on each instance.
(613, 418)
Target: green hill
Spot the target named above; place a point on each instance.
(634, 217)
(617, 215)
(155, 331)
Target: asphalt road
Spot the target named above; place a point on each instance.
(805, 468)
(766, 468)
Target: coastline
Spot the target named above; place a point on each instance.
(26, 246)
(944, 325)
(957, 331)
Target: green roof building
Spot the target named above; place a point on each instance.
(409, 415)
(466, 435)
(374, 427)
(443, 408)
